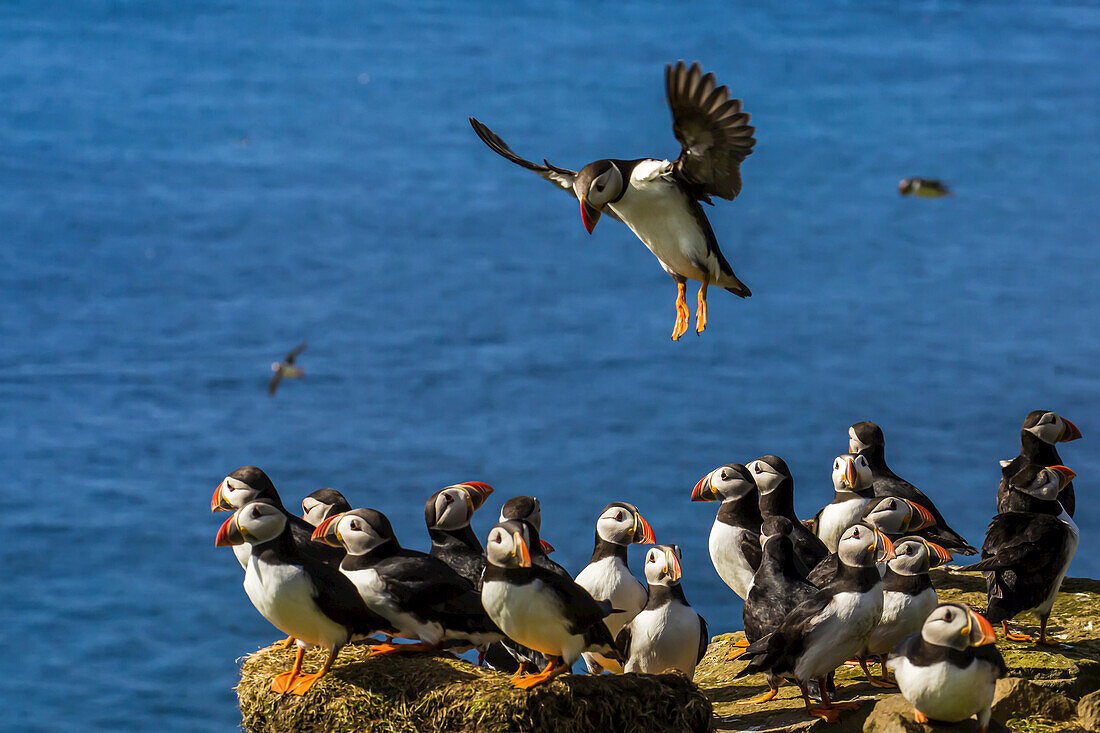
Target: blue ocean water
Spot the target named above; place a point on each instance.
(190, 189)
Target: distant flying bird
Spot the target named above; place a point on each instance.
(285, 369)
(659, 199)
(925, 188)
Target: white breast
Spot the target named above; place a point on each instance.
(283, 594)
(945, 692)
(610, 579)
(725, 553)
(373, 592)
(838, 632)
(837, 517)
(242, 552)
(664, 639)
(1069, 551)
(530, 614)
(901, 616)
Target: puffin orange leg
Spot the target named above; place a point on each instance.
(826, 713)
(1015, 637)
(919, 716)
(741, 642)
(734, 653)
(701, 309)
(553, 668)
(762, 697)
(521, 671)
(682, 313)
(381, 650)
(284, 682)
(286, 643)
(885, 674)
(305, 681)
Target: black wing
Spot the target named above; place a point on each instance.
(714, 133)
(779, 650)
(561, 177)
(907, 647)
(750, 548)
(295, 352)
(989, 653)
(622, 641)
(583, 609)
(274, 384)
(704, 639)
(338, 598)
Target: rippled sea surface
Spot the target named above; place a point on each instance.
(190, 189)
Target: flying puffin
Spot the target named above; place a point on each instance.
(249, 483)
(776, 486)
(907, 599)
(1042, 429)
(419, 595)
(607, 577)
(735, 534)
(668, 634)
(778, 587)
(867, 439)
(538, 608)
(659, 199)
(447, 513)
(948, 671)
(286, 369)
(823, 632)
(1027, 551)
(323, 503)
(309, 600)
(851, 493)
(924, 188)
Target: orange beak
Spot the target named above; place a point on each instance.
(217, 503)
(850, 474)
(674, 570)
(887, 545)
(1070, 432)
(522, 553)
(589, 215)
(643, 533)
(479, 491)
(1067, 474)
(326, 531)
(228, 532)
(925, 517)
(547, 548)
(981, 631)
(942, 554)
(697, 492)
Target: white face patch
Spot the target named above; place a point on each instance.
(765, 476)
(729, 484)
(260, 522)
(615, 525)
(237, 493)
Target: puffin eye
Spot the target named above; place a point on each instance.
(725, 476)
(856, 534)
(948, 616)
(355, 526)
(757, 468)
(836, 465)
(908, 550)
(448, 498)
(256, 512)
(619, 517)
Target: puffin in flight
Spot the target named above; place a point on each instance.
(659, 199)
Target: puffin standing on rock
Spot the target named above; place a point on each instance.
(309, 600)
(852, 492)
(1043, 429)
(776, 486)
(607, 577)
(659, 199)
(950, 669)
(735, 534)
(539, 608)
(867, 439)
(447, 513)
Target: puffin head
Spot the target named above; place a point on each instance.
(1041, 483)
(662, 565)
(906, 186)
(323, 503)
(255, 523)
(864, 435)
(596, 185)
(861, 546)
(916, 556)
(851, 472)
(247, 483)
(358, 531)
(512, 543)
(453, 507)
(622, 524)
(769, 472)
(1050, 427)
(895, 515)
(529, 510)
(732, 481)
(954, 625)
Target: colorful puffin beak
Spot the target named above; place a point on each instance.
(1066, 474)
(218, 502)
(326, 532)
(672, 566)
(229, 533)
(589, 215)
(939, 552)
(1069, 432)
(476, 493)
(850, 474)
(701, 492)
(547, 548)
(887, 545)
(979, 630)
(926, 518)
(522, 553)
(643, 533)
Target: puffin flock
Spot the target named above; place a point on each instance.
(852, 583)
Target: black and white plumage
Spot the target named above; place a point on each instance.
(659, 199)
(250, 483)
(829, 628)
(1041, 431)
(948, 670)
(538, 608)
(322, 504)
(907, 599)
(924, 188)
(735, 535)
(528, 509)
(419, 595)
(286, 369)
(667, 634)
(607, 577)
(896, 517)
(447, 513)
(1027, 551)
(867, 439)
(776, 486)
(309, 600)
(852, 491)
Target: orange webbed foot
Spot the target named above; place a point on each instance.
(304, 682)
(1012, 636)
(682, 313)
(734, 654)
(829, 715)
(762, 697)
(919, 716)
(283, 683)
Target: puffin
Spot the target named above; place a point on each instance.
(447, 513)
(538, 608)
(831, 626)
(924, 188)
(286, 369)
(851, 493)
(249, 483)
(309, 600)
(778, 587)
(607, 577)
(668, 634)
(896, 517)
(321, 503)
(419, 595)
(529, 510)
(659, 200)
(1041, 431)
(1027, 551)
(907, 599)
(776, 486)
(735, 534)
(867, 439)
(948, 670)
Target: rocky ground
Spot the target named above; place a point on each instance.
(1050, 689)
